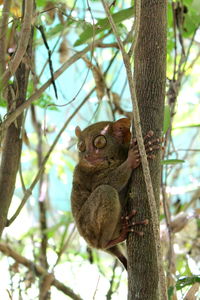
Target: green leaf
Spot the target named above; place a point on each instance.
(172, 161)
(182, 282)
(3, 103)
(30, 232)
(167, 118)
(64, 220)
(44, 2)
(170, 292)
(45, 102)
(103, 24)
(191, 18)
(188, 126)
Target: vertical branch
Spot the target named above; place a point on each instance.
(150, 80)
(12, 143)
(23, 42)
(42, 199)
(3, 30)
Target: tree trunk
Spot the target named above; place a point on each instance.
(12, 141)
(150, 78)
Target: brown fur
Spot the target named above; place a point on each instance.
(100, 178)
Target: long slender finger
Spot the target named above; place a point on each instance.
(157, 141)
(152, 148)
(151, 156)
(149, 134)
(133, 144)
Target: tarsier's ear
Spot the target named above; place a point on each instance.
(77, 131)
(121, 130)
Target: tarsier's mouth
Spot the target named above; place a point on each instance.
(94, 160)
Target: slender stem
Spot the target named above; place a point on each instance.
(3, 30)
(23, 42)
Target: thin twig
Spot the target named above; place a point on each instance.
(111, 290)
(107, 45)
(39, 271)
(3, 30)
(96, 288)
(41, 29)
(136, 27)
(64, 244)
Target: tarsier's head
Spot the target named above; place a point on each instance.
(102, 144)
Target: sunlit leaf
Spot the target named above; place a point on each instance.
(3, 102)
(188, 126)
(43, 2)
(172, 161)
(167, 118)
(45, 101)
(170, 292)
(15, 10)
(182, 282)
(103, 24)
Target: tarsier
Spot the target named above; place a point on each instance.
(107, 157)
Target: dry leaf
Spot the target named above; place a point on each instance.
(50, 11)
(25, 138)
(98, 78)
(64, 51)
(60, 12)
(16, 10)
(15, 267)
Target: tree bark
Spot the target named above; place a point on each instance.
(150, 79)
(12, 142)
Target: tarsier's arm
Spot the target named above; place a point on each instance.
(118, 178)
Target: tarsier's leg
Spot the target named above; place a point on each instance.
(126, 228)
(99, 216)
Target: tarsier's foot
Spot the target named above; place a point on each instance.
(127, 227)
(151, 145)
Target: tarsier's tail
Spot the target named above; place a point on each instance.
(117, 251)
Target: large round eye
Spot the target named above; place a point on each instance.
(81, 146)
(100, 141)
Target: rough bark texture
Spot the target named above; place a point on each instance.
(12, 142)
(150, 78)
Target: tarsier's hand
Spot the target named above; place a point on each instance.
(151, 144)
